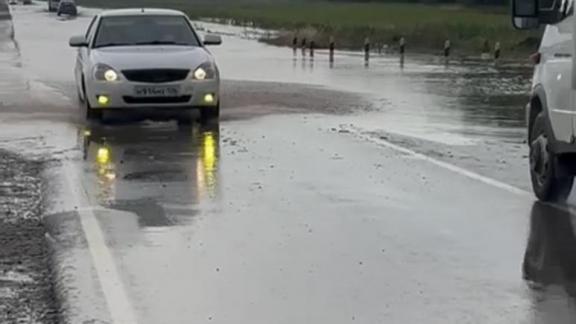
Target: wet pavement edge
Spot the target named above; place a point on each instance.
(73, 273)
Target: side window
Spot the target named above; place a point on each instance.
(558, 9)
(567, 8)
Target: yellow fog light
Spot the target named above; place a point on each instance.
(209, 98)
(103, 155)
(103, 100)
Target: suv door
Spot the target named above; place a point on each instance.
(555, 72)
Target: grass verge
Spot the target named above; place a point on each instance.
(425, 27)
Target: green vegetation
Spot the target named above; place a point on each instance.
(424, 26)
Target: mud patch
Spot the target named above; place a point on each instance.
(248, 99)
(26, 292)
(157, 176)
(149, 212)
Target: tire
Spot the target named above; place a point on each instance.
(210, 114)
(547, 184)
(89, 112)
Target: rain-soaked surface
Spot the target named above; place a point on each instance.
(26, 294)
(286, 212)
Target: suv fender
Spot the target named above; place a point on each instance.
(538, 104)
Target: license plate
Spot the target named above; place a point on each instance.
(147, 91)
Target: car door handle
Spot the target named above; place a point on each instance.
(562, 55)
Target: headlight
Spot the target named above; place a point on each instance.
(200, 74)
(206, 71)
(103, 72)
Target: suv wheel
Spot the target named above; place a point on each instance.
(547, 185)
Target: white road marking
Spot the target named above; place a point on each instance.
(442, 164)
(117, 300)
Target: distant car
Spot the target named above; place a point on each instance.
(53, 5)
(146, 59)
(26, 2)
(67, 7)
(13, 2)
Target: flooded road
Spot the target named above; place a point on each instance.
(327, 194)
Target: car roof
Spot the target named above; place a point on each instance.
(141, 12)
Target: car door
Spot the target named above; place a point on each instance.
(82, 55)
(557, 55)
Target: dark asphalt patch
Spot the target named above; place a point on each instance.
(149, 212)
(248, 99)
(157, 176)
(26, 292)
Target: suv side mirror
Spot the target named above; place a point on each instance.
(78, 41)
(212, 39)
(525, 23)
(525, 14)
(529, 14)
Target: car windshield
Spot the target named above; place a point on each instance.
(145, 30)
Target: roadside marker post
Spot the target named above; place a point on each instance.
(447, 48)
(402, 46)
(332, 48)
(497, 51)
(402, 49)
(312, 47)
(366, 50)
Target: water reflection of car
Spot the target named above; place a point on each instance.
(550, 258)
(141, 160)
(67, 7)
(139, 60)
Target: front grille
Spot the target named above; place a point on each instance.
(156, 75)
(156, 100)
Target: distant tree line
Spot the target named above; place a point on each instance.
(464, 2)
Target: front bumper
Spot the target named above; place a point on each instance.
(121, 95)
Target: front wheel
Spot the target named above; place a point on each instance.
(210, 114)
(89, 112)
(548, 185)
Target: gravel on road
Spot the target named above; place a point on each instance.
(26, 294)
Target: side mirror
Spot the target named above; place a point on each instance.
(525, 14)
(525, 23)
(78, 41)
(212, 39)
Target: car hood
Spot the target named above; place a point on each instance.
(151, 57)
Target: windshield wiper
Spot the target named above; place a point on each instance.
(162, 43)
(113, 44)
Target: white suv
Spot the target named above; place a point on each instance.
(551, 112)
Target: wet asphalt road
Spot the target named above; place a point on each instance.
(297, 208)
